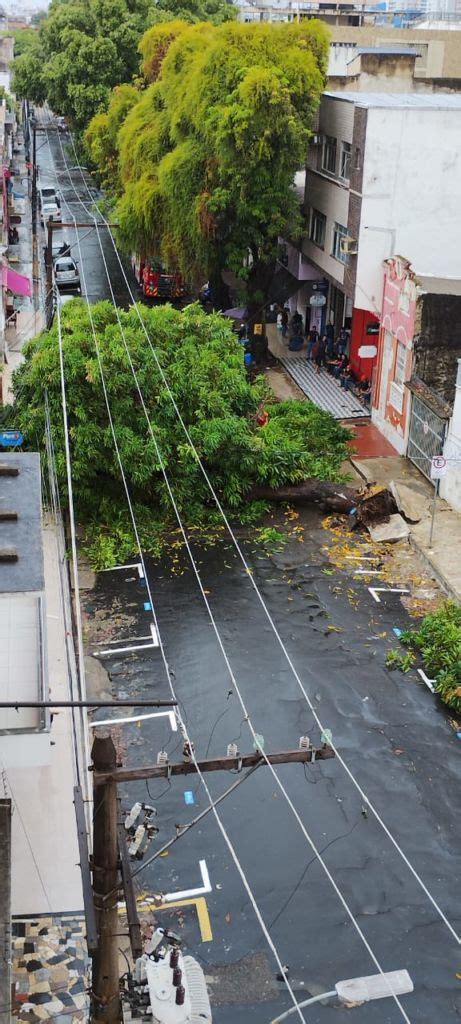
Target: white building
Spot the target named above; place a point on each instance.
(383, 176)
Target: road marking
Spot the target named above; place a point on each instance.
(133, 647)
(138, 718)
(131, 565)
(429, 682)
(368, 572)
(200, 904)
(363, 558)
(170, 897)
(386, 590)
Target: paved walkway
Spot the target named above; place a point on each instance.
(443, 555)
(369, 442)
(321, 388)
(45, 863)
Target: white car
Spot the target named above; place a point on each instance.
(66, 273)
(51, 211)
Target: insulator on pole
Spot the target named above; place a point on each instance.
(304, 743)
(232, 750)
(162, 757)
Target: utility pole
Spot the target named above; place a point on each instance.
(105, 993)
(35, 262)
(110, 864)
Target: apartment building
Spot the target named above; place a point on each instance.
(383, 177)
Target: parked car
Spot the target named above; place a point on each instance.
(48, 194)
(66, 272)
(51, 211)
(61, 124)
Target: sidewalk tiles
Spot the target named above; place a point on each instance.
(50, 969)
(369, 442)
(322, 389)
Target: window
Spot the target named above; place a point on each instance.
(400, 360)
(329, 154)
(358, 159)
(339, 232)
(318, 228)
(345, 163)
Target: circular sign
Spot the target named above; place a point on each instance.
(317, 299)
(439, 462)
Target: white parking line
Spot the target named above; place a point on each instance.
(138, 718)
(386, 590)
(131, 565)
(206, 886)
(429, 682)
(133, 647)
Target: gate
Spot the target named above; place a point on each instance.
(426, 436)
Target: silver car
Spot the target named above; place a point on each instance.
(66, 273)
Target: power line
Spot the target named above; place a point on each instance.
(224, 653)
(168, 674)
(260, 597)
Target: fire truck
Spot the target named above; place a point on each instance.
(156, 281)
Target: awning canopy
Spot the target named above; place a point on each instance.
(16, 283)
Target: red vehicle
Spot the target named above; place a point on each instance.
(156, 281)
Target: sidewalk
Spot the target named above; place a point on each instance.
(416, 494)
(45, 865)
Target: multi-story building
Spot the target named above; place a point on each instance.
(383, 177)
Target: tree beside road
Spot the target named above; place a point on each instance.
(203, 364)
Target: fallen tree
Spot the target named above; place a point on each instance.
(329, 496)
(252, 446)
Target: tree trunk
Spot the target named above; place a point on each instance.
(334, 497)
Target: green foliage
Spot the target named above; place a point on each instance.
(100, 138)
(271, 538)
(204, 366)
(398, 659)
(209, 154)
(438, 641)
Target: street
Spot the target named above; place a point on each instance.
(394, 735)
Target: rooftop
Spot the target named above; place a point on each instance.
(22, 494)
(402, 100)
(384, 51)
(439, 285)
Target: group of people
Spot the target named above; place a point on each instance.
(326, 350)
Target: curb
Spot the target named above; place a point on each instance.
(366, 477)
(441, 580)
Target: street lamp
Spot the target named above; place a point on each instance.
(360, 990)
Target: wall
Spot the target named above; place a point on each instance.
(5, 912)
(438, 346)
(450, 485)
(326, 192)
(398, 215)
(391, 401)
(440, 48)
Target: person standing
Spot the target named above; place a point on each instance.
(312, 339)
(343, 339)
(320, 350)
(285, 319)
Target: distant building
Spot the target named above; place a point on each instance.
(24, 735)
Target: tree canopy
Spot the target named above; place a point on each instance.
(203, 363)
(209, 153)
(85, 48)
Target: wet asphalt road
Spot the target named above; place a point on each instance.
(394, 735)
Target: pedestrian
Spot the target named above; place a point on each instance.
(330, 331)
(346, 376)
(285, 320)
(279, 320)
(319, 350)
(297, 323)
(343, 338)
(312, 339)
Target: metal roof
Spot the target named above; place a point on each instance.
(382, 51)
(402, 100)
(438, 285)
(22, 494)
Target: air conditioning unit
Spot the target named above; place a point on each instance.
(348, 246)
(317, 140)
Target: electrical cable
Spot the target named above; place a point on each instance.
(221, 827)
(262, 602)
(226, 659)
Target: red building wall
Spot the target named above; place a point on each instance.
(364, 331)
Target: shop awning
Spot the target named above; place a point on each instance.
(16, 283)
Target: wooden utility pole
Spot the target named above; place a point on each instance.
(105, 984)
(213, 764)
